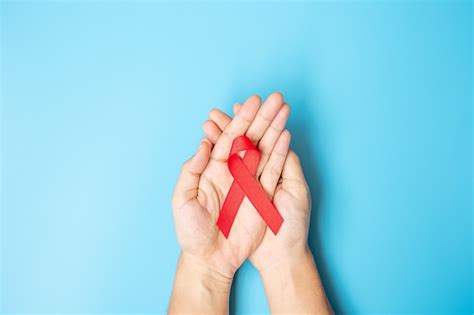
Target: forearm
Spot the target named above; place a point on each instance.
(198, 289)
(293, 286)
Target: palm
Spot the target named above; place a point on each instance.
(292, 198)
(201, 237)
(205, 181)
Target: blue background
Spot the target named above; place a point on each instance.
(103, 101)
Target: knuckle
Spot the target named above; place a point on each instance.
(264, 147)
(242, 114)
(264, 158)
(230, 134)
(264, 118)
(275, 129)
(274, 172)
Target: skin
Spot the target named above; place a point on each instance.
(208, 261)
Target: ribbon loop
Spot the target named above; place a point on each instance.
(245, 184)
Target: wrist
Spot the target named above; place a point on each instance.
(279, 255)
(199, 288)
(293, 285)
(206, 270)
(289, 259)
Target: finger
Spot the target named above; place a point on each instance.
(208, 142)
(271, 136)
(188, 181)
(224, 122)
(211, 130)
(273, 169)
(220, 118)
(236, 108)
(264, 117)
(292, 169)
(237, 127)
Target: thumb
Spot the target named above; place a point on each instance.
(294, 182)
(188, 181)
(292, 170)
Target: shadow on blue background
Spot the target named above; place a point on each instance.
(102, 102)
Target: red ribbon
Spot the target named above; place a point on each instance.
(245, 184)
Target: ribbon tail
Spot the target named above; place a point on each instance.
(229, 209)
(255, 194)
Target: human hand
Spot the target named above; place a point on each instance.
(208, 260)
(283, 179)
(284, 260)
(205, 181)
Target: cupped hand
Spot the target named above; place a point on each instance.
(205, 180)
(282, 178)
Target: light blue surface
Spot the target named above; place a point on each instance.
(103, 101)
